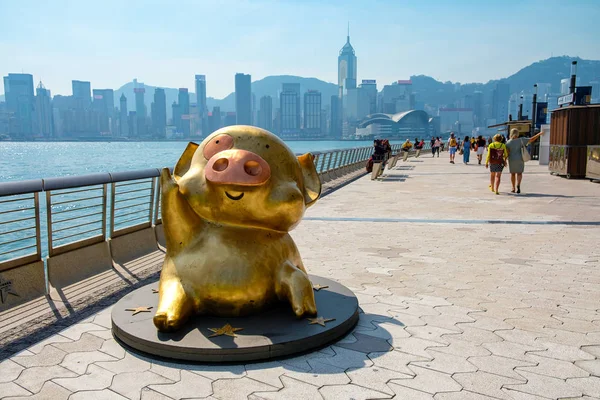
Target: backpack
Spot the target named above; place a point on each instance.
(452, 142)
(496, 155)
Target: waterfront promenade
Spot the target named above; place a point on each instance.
(465, 295)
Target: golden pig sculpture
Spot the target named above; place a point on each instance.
(226, 212)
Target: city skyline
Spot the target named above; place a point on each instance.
(392, 41)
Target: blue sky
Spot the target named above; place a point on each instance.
(164, 43)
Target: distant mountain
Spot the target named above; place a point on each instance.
(551, 70)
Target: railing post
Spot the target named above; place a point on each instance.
(38, 229)
(151, 206)
(49, 221)
(329, 162)
(112, 208)
(157, 200)
(104, 190)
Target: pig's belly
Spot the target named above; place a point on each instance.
(229, 288)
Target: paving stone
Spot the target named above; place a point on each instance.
(474, 335)
(429, 381)
(484, 383)
(403, 392)
(9, 371)
(95, 378)
(129, 363)
(216, 371)
(486, 323)
(447, 321)
(396, 361)
(10, 389)
(591, 366)
(500, 365)
(87, 342)
(375, 378)
(292, 390)
(321, 374)
(78, 362)
(74, 332)
(462, 348)
(516, 395)
(148, 394)
(36, 348)
(417, 346)
(510, 349)
(50, 391)
(190, 385)
(344, 392)
(34, 378)
(545, 386)
(268, 372)
(552, 367)
(590, 386)
(129, 384)
(103, 318)
(234, 389)
(562, 352)
(367, 343)
(447, 363)
(429, 332)
(522, 337)
(111, 347)
(48, 356)
(462, 395)
(345, 358)
(104, 394)
(301, 362)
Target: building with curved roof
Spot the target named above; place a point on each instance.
(407, 124)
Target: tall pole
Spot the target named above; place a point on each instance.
(533, 109)
(520, 115)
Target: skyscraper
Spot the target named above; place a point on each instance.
(312, 114)
(20, 102)
(184, 108)
(82, 94)
(140, 111)
(347, 66)
(104, 105)
(159, 113)
(265, 113)
(335, 122)
(43, 111)
(201, 103)
(289, 104)
(214, 120)
(243, 99)
(500, 99)
(123, 120)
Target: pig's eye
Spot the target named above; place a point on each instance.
(267, 146)
(217, 144)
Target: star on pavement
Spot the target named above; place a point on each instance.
(5, 289)
(138, 310)
(318, 287)
(225, 330)
(319, 320)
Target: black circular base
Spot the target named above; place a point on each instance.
(273, 333)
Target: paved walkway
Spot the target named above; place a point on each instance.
(473, 309)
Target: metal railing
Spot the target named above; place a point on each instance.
(79, 211)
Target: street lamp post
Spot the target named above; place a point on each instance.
(533, 110)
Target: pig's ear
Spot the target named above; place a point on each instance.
(185, 160)
(312, 183)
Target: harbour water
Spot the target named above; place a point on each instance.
(32, 160)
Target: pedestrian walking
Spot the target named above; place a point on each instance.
(418, 147)
(432, 145)
(466, 148)
(452, 145)
(480, 146)
(437, 144)
(516, 148)
(496, 161)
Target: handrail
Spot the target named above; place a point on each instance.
(90, 221)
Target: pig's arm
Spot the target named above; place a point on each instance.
(180, 223)
(292, 284)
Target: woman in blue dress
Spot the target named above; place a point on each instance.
(466, 148)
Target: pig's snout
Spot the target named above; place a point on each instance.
(237, 167)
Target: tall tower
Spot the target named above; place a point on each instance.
(184, 109)
(20, 103)
(265, 113)
(124, 126)
(243, 99)
(159, 113)
(347, 66)
(140, 111)
(43, 110)
(201, 103)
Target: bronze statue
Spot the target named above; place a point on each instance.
(226, 211)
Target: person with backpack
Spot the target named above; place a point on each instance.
(496, 161)
(418, 147)
(452, 145)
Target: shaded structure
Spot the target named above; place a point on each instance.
(404, 124)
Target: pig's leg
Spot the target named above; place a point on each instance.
(292, 284)
(174, 306)
(180, 222)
